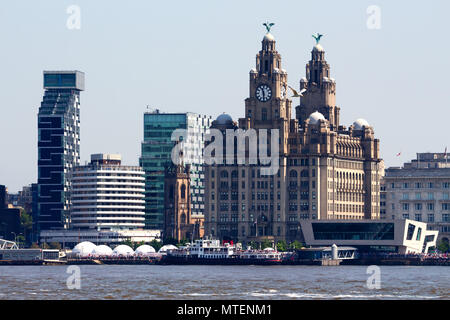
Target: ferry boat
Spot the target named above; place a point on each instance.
(209, 251)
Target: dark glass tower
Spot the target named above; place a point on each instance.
(58, 146)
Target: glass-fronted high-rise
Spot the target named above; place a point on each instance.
(156, 154)
(58, 146)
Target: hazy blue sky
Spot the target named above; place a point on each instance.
(196, 55)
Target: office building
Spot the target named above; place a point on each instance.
(9, 217)
(420, 190)
(156, 156)
(107, 195)
(58, 146)
(326, 170)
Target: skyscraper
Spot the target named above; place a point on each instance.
(156, 156)
(58, 146)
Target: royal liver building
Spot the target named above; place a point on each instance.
(326, 170)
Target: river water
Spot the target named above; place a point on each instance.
(223, 282)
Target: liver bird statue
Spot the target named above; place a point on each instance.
(268, 25)
(317, 37)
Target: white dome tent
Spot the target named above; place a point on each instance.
(84, 249)
(144, 250)
(122, 251)
(102, 250)
(167, 247)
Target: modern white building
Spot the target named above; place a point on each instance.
(107, 195)
(107, 205)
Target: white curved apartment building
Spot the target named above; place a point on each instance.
(107, 195)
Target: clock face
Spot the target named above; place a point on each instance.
(263, 93)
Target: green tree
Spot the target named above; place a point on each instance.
(253, 244)
(443, 246)
(156, 244)
(282, 246)
(26, 225)
(296, 245)
(266, 244)
(128, 242)
(137, 244)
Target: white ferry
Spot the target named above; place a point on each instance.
(210, 251)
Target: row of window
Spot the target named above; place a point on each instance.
(430, 217)
(419, 206)
(420, 185)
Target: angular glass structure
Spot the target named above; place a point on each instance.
(58, 146)
(156, 155)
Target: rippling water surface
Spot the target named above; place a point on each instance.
(223, 282)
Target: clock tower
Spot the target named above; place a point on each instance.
(268, 106)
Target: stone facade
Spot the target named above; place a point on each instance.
(178, 221)
(326, 171)
(420, 191)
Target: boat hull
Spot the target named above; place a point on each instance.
(217, 261)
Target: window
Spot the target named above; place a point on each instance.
(418, 195)
(405, 196)
(405, 185)
(410, 233)
(418, 217)
(405, 206)
(430, 196)
(419, 234)
(264, 114)
(431, 217)
(445, 217)
(430, 206)
(418, 206)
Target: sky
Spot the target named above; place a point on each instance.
(195, 56)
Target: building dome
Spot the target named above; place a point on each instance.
(318, 47)
(268, 37)
(224, 119)
(84, 249)
(359, 124)
(122, 250)
(144, 250)
(167, 247)
(102, 250)
(315, 117)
